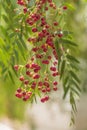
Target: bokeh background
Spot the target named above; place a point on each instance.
(18, 115)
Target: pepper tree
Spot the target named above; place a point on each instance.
(38, 48)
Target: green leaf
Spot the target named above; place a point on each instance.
(76, 85)
(71, 58)
(74, 76)
(68, 41)
(12, 35)
(21, 49)
(2, 43)
(66, 91)
(5, 18)
(12, 60)
(75, 91)
(65, 32)
(59, 53)
(72, 121)
(11, 76)
(62, 68)
(3, 57)
(4, 70)
(23, 43)
(65, 82)
(35, 99)
(74, 108)
(72, 102)
(57, 46)
(16, 55)
(70, 6)
(74, 66)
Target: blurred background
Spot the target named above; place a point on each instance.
(54, 115)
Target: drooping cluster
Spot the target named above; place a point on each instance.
(39, 76)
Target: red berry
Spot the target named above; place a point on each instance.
(33, 85)
(44, 90)
(35, 49)
(24, 93)
(36, 76)
(20, 2)
(45, 62)
(49, 57)
(64, 7)
(46, 84)
(55, 83)
(39, 56)
(42, 19)
(42, 100)
(55, 63)
(27, 66)
(40, 34)
(26, 97)
(30, 22)
(47, 26)
(46, 98)
(55, 23)
(34, 66)
(16, 67)
(60, 35)
(19, 90)
(40, 83)
(51, 4)
(25, 10)
(48, 89)
(29, 93)
(34, 29)
(44, 30)
(21, 78)
(19, 95)
(28, 72)
(55, 74)
(26, 82)
(53, 68)
(55, 88)
(46, 8)
(32, 59)
(49, 1)
(36, 70)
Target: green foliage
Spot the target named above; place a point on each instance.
(10, 53)
(68, 68)
(12, 44)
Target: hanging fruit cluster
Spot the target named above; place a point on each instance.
(40, 74)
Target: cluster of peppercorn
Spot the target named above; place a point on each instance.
(40, 74)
